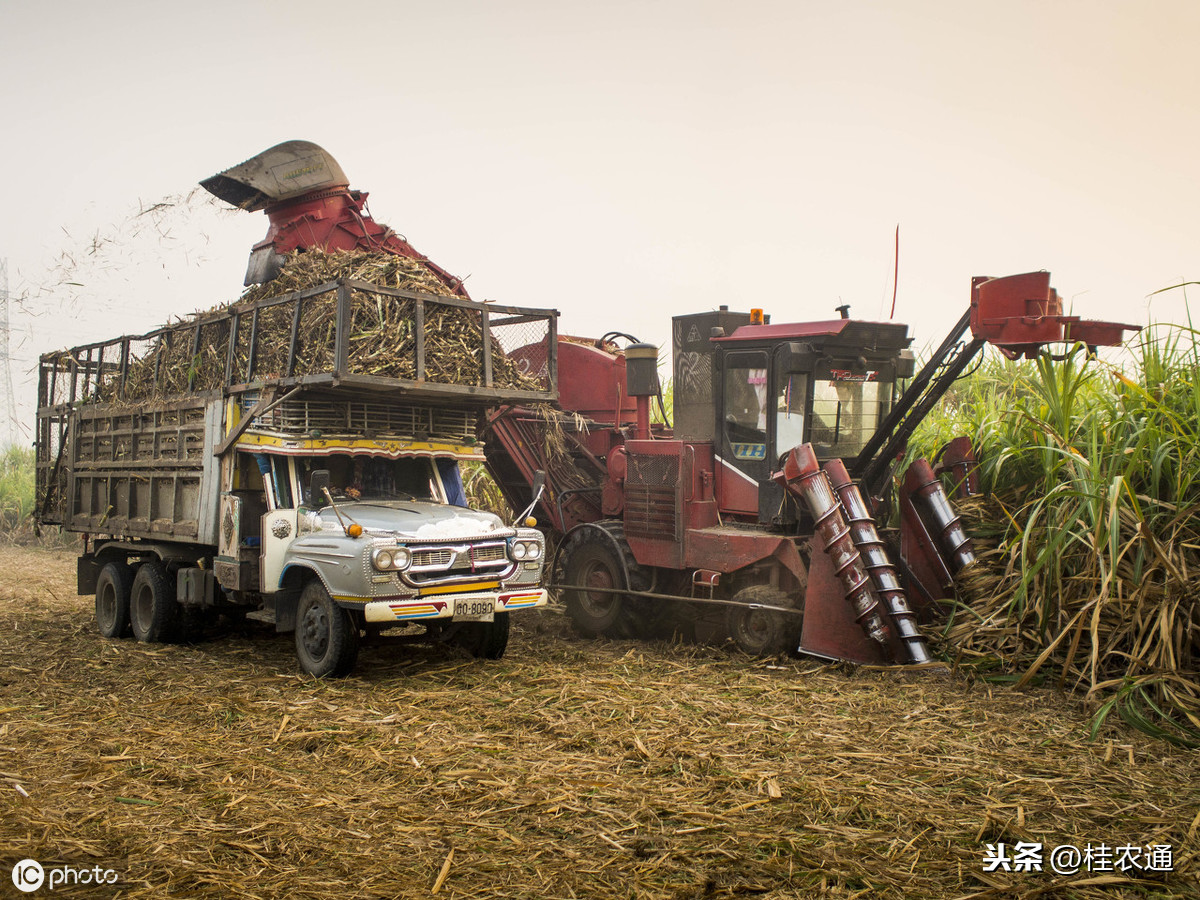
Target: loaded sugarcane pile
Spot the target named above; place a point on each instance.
(382, 334)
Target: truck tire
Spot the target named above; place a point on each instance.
(113, 587)
(483, 640)
(326, 635)
(153, 609)
(591, 561)
(761, 632)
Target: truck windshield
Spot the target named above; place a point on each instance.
(366, 478)
(845, 413)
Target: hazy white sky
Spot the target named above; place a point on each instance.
(622, 162)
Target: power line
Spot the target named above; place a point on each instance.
(8, 427)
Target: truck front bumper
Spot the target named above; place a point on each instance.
(442, 606)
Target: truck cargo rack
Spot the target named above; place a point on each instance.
(325, 332)
(386, 360)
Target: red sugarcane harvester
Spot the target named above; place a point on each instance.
(754, 517)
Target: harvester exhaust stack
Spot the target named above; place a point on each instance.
(308, 201)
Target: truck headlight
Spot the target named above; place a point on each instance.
(391, 559)
(522, 550)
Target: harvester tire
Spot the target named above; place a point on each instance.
(326, 634)
(591, 561)
(483, 640)
(153, 610)
(112, 600)
(761, 632)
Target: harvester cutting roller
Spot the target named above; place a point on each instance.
(753, 518)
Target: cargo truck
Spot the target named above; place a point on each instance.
(258, 461)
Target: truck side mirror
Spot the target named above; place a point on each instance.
(317, 482)
(539, 486)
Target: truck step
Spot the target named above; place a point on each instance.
(262, 615)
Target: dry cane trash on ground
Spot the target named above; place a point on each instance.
(570, 768)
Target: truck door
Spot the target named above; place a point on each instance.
(279, 522)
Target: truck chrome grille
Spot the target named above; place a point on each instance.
(490, 554)
(426, 559)
(447, 563)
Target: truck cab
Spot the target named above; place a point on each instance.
(382, 526)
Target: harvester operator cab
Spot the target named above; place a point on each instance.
(756, 390)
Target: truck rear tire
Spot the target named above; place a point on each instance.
(153, 609)
(113, 587)
(483, 640)
(326, 634)
(761, 632)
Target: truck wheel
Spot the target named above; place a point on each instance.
(153, 609)
(760, 632)
(112, 600)
(326, 635)
(483, 640)
(590, 563)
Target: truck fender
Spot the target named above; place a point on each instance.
(287, 598)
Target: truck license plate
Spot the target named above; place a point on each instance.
(469, 609)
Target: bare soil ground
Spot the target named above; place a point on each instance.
(570, 768)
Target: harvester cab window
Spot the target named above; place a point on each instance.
(746, 406)
(791, 392)
(846, 409)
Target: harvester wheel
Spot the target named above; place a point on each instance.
(153, 609)
(326, 635)
(483, 640)
(112, 600)
(761, 632)
(591, 563)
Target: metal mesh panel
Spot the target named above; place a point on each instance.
(383, 336)
(317, 335)
(652, 497)
(512, 333)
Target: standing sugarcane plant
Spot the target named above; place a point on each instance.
(1089, 528)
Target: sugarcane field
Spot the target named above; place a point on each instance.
(1035, 736)
(570, 768)
(780, 479)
